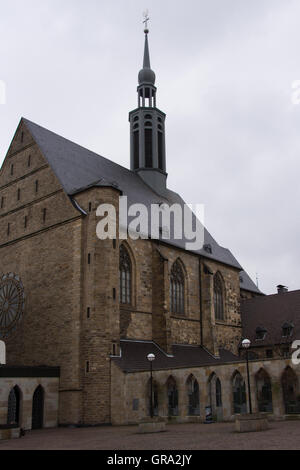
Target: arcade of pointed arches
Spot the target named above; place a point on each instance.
(166, 395)
(15, 406)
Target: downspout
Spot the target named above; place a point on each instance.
(200, 300)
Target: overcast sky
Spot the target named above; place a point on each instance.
(224, 72)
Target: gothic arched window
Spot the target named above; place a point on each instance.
(193, 396)
(264, 392)
(218, 297)
(239, 394)
(291, 396)
(154, 397)
(172, 397)
(218, 393)
(125, 276)
(177, 289)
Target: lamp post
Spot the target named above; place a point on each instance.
(151, 358)
(246, 345)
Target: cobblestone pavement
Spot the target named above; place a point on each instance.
(281, 435)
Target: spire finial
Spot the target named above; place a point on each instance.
(146, 19)
(146, 75)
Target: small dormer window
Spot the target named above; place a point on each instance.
(260, 333)
(287, 329)
(208, 248)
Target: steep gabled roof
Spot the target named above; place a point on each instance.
(271, 312)
(78, 168)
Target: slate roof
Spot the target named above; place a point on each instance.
(246, 283)
(271, 312)
(25, 371)
(134, 356)
(78, 168)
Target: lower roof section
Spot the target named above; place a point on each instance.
(22, 371)
(133, 356)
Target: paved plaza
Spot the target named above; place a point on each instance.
(281, 435)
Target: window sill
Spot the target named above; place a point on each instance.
(179, 316)
(127, 307)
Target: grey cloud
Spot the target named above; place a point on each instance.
(224, 72)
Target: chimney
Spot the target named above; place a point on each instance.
(282, 289)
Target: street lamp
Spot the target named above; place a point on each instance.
(246, 345)
(151, 358)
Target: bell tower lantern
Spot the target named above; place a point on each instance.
(147, 130)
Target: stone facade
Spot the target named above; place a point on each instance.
(133, 387)
(73, 317)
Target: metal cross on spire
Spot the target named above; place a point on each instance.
(146, 19)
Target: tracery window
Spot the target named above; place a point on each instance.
(154, 397)
(125, 276)
(264, 392)
(218, 297)
(193, 396)
(239, 394)
(290, 390)
(177, 289)
(172, 397)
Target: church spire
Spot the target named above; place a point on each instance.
(147, 77)
(146, 64)
(147, 128)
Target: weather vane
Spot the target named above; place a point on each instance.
(146, 19)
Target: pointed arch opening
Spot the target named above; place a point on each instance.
(14, 406)
(125, 273)
(154, 397)
(239, 394)
(264, 391)
(192, 386)
(38, 408)
(290, 390)
(172, 392)
(177, 288)
(215, 396)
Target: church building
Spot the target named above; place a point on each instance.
(79, 315)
